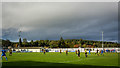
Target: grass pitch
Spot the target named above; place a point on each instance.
(55, 59)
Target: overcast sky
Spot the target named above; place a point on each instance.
(47, 20)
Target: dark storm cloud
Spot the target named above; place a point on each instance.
(52, 20)
(10, 33)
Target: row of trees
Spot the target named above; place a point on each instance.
(68, 43)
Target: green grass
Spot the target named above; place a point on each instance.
(57, 59)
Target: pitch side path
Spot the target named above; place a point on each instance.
(57, 60)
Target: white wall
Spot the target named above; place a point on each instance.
(69, 49)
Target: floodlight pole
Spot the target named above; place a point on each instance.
(19, 40)
(102, 39)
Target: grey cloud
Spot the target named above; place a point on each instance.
(0, 20)
(52, 20)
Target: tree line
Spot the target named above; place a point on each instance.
(67, 43)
